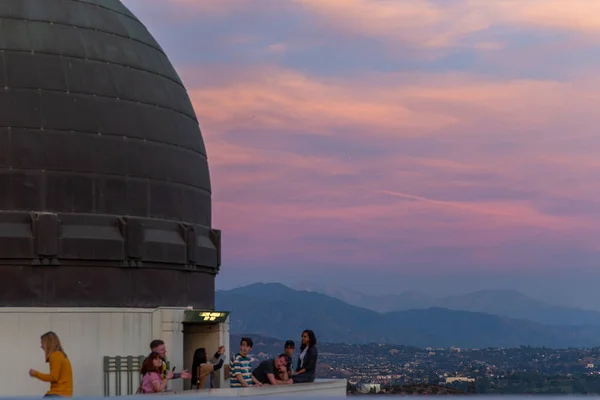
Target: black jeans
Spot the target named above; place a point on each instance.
(304, 377)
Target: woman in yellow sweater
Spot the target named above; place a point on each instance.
(61, 374)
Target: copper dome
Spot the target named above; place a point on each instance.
(105, 196)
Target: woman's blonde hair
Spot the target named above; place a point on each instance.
(51, 343)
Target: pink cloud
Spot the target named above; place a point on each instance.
(190, 10)
(372, 167)
(276, 199)
(575, 15)
(428, 24)
(277, 48)
(293, 99)
(388, 105)
(419, 24)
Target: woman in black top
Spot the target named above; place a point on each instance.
(201, 369)
(307, 361)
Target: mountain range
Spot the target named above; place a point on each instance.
(507, 303)
(275, 310)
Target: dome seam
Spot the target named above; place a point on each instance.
(87, 173)
(86, 28)
(87, 3)
(68, 92)
(133, 138)
(97, 60)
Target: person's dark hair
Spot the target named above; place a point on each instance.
(148, 366)
(288, 359)
(289, 344)
(199, 358)
(312, 339)
(248, 341)
(155, 343)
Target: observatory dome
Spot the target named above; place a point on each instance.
(105, 196)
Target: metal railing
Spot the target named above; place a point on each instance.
(118, 366)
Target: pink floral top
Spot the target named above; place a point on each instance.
(147, 382)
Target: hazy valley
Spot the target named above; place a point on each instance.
(477, 320)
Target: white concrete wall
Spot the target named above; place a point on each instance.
(87, 335)
(320, 388)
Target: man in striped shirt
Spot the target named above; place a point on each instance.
(241, 371)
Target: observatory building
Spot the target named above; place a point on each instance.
(105, 197)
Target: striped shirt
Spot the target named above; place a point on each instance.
(241, 365)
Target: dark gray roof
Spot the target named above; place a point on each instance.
(97, 129)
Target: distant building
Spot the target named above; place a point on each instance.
(370, 388)
(452, 379)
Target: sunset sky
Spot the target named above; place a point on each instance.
(385, 145)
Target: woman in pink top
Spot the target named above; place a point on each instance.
(152, 382)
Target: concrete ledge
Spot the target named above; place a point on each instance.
(321, 388)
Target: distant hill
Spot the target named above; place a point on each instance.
(274, 310)
(391, 302)
(511, 303)
(507, 303)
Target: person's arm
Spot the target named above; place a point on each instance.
(310, 361)
(240, 379)
(302, 370)
(218, 365)
(52, 377)
(185, 374)
(218, 354)
(158, 384)
(284, 381)
(256, 381)
(286, 375)
(236, 371)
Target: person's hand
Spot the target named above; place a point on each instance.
(32, 372)
(290, 380)
(185, 374)
(259, 384)
(169, 375)
(221, 350)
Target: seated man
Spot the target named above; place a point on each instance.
(273, 372)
